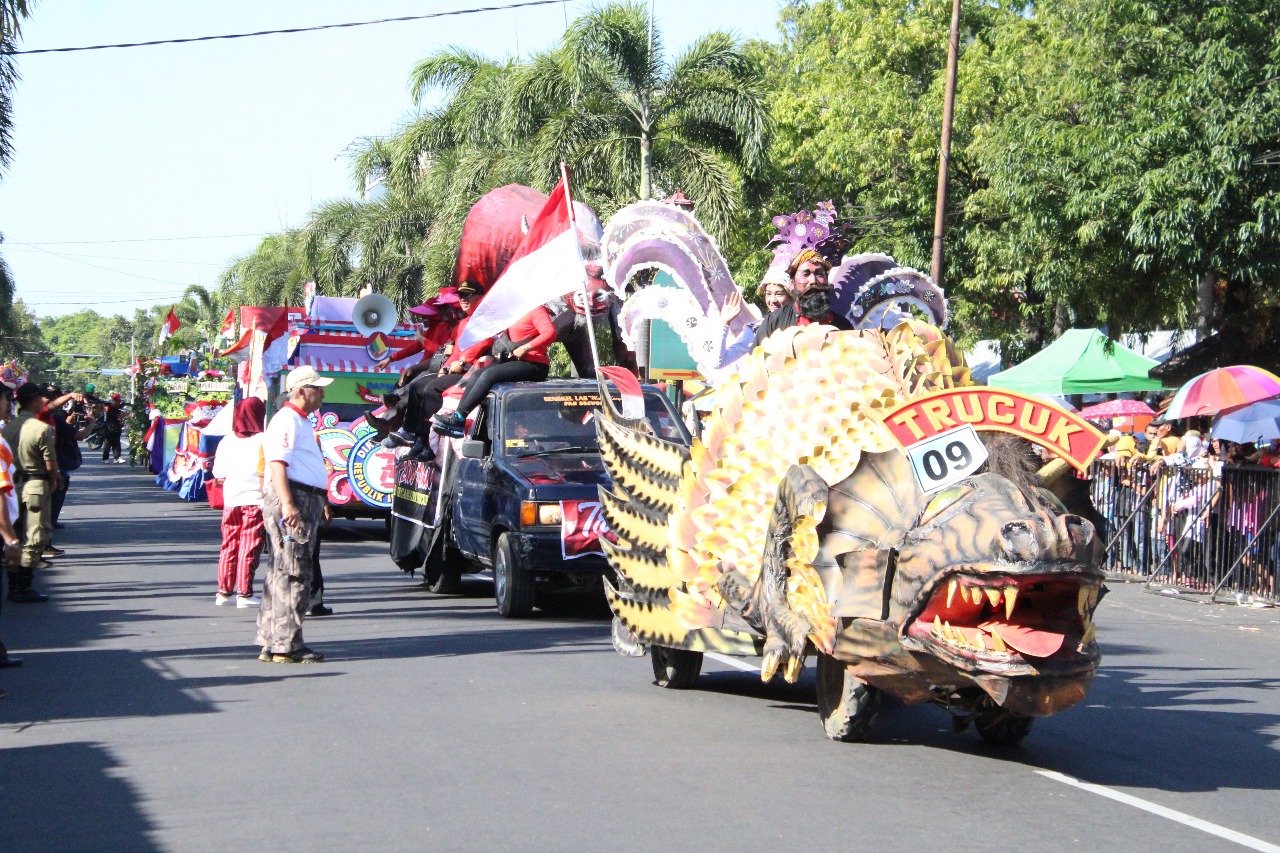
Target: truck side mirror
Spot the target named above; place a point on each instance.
(472, 448)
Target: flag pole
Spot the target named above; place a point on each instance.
(586, 297)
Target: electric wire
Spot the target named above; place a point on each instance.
(289, 31)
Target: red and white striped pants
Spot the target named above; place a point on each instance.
(241, 547)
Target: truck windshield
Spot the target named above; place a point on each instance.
(556, 420)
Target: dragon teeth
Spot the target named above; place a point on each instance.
(993, 596)
(1010, 597)
(1082, 600)
(951, 591)
(937, 626)
(997, 642)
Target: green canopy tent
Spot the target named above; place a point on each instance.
(1082, 361)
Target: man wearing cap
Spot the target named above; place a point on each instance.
(808, 272)
(294, 505)
(8, 511)
(36, 466)
(426, 393)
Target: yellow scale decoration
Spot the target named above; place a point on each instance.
(809, 396)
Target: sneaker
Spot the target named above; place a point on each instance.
(265, 655)
(243, 601)
(400, 438)
(320, 610)
(452, 425)
(122, 461)
(222, 598)
(51, 551)
(302, 655)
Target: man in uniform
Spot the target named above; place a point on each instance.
(295, 503)
(36, 465)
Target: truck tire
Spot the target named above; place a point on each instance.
(847, 705)
(443, 580)
(675, 669)
(512, 582)
(1001, 728)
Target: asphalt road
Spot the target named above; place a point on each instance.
(143, 721)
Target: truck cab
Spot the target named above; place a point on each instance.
(517, 495)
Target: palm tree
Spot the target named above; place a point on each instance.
(272, 274)
(11, 14)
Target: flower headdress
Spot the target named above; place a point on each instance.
(804, 231)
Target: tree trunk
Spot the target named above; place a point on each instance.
(1061, 319)
(1205, 285)
(646, 165)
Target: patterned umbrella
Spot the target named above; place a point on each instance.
(1223, 390)
(1258, 423)
(1115, 409)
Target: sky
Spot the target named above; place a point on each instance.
(137, 172)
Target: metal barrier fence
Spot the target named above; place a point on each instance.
(1192, 529)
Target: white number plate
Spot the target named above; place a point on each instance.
(947, 458)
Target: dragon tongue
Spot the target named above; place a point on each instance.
(1033, 642)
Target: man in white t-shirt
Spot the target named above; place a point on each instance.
(294, 504)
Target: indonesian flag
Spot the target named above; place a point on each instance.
(228, 325)
(629, 387)
(547, 265)
(169, 326)
(246, 338)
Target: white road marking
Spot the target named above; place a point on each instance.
(1167, 813)
(733, 662)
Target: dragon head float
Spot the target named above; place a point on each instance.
(797, 526)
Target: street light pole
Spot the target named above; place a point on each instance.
(944, 150)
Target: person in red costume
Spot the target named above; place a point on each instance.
(426, 392)
(531, 335)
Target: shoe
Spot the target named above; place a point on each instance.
(243, 601)
(420, 452)
(400, 438)
(265, 655)
(222, 598)
(320, 610)
(302, 655)
(43, 564)
(58, 525)
(53, 552)
(122, 461)
(10, 663)
(27, 596)
(452, 424)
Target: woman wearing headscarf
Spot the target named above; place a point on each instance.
(239, 464)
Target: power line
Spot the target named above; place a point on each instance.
(34, 248)
(405, 18)
(134, 240)
(100, 267)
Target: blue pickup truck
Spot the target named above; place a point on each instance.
(518, 494)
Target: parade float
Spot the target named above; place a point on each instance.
(856, 499)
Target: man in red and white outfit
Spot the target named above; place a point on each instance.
(294, 505)
(240, 466)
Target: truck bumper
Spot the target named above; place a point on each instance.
(542, 553)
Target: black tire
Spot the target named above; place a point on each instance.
(512, 582)
(675, 669)
(446, 580)
(1000, 728)
(847, 705)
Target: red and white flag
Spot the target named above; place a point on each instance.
(547, 265)
(629, 387)
(227, 332)
(169, 326)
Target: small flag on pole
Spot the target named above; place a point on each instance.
(170, 325)
(227, 332)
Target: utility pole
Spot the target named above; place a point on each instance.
(944, 150)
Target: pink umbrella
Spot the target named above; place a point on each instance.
(1116, 409)
(1223, 390)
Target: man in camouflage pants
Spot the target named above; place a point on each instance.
(295, 503)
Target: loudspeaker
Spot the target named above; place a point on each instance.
(374, 313)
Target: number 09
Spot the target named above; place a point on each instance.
(936, 467)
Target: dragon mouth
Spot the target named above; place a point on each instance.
(1010, 621)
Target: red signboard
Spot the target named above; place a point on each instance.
(582, 525)
(1064, 433)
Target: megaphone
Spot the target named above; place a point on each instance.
(374, 313)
